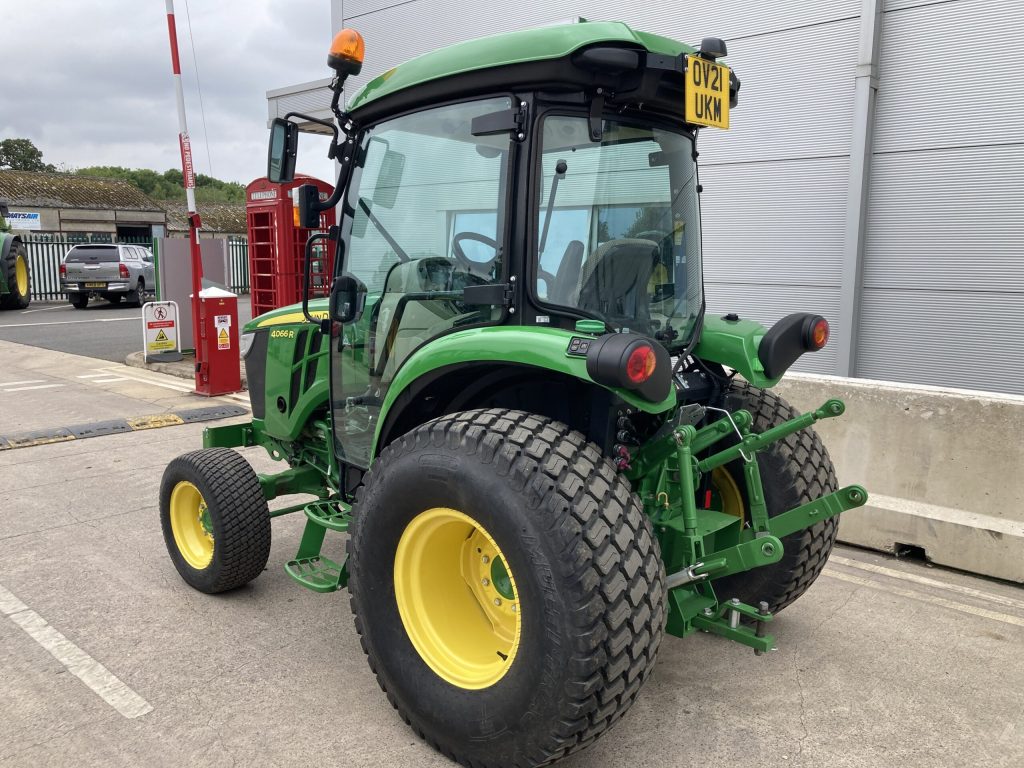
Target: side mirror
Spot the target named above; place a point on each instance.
(284, 145)
(348, 297)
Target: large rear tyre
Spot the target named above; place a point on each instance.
(215, 519)
(506, 585)
(18, 277)
(794, 471)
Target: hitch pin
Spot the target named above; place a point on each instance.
(735, 428)
(685, 576)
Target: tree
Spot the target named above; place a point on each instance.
(22, 155)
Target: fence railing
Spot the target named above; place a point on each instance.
(45, 253)
(238, 264)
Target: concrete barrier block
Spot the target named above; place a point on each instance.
(944, 468)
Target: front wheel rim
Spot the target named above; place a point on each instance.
(21, 275)
(191, 525)
(457, 598)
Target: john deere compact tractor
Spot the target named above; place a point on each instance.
(544, 452)
(14, 271)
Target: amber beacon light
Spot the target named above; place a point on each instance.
(346, 55)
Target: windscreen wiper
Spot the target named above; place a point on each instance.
(402, 255)
(560, 169)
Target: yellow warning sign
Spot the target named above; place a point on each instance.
(160, 343)
(223, 340)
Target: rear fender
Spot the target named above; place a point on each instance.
(540, 348)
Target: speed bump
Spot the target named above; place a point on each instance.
(115, 426)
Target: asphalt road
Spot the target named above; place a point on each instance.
(103, 330)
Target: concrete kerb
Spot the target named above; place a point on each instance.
(183, 369)
(942, 467)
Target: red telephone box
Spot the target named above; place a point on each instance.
(277, 245)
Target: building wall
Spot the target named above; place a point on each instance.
(941, 289)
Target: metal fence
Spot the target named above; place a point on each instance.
(238, 264)
(45, 253)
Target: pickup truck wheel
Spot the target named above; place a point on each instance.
(136, 297)
(17, 274)
(79, 300)
(794, 471)
(215, 519)
(506, 586)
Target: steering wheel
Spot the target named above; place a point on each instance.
(478, 268)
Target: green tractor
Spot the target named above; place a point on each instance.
(544, 452)
(15, 287)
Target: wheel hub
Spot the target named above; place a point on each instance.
(21, 275)
(457, 598)
(191, 525)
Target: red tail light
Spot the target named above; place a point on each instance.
(123, 270)
(640, 364)
(63, 271)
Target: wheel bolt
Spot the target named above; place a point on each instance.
(485, 582)
(514, 608)
(485, 559)
(497, 601)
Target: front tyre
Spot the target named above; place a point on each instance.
(215, 519)
(506, 585)
(18, 278)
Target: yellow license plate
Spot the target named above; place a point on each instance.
(95, 285)
(706, 92)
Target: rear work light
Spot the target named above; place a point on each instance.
(817, 335)
(123, 271)
(631, 361)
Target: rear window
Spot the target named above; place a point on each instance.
(92, 253)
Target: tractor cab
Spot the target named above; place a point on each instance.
(558, 191)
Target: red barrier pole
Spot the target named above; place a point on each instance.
(194, 223)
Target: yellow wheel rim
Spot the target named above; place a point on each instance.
(21, 275)
(457, 598)
(726, 496)
(190, 524)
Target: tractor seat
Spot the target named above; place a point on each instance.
(615, 282)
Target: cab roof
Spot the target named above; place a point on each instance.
(506, 52)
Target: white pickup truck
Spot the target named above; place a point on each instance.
(113, 272)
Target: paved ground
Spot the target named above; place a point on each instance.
(103, 330)
(882, 663)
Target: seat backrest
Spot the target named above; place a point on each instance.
(567, 277)
(615, 281)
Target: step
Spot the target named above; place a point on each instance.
(330, 513)
(318, 573)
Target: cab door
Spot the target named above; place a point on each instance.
(426, 214)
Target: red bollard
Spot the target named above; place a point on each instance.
(221, 372)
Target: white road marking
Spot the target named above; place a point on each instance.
(108, 381)
(968, 591)
(98, 678)
(925, 598)
(37, 386)
(91, 375)
(17, 383)
(44, 309)
(71, 322)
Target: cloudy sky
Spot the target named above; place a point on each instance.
(89, 81)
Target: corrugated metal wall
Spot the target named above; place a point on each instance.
(943, 270)
(943, 297)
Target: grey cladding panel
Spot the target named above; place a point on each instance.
(944, 338)
(947, 220)
(935, 91)
(775, 222)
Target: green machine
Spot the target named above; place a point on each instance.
(15, 286)
(544, 451)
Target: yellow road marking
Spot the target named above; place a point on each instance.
(154, 421)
